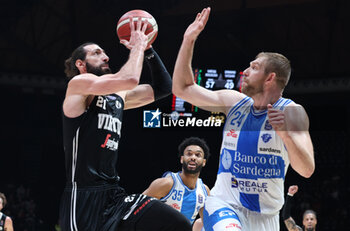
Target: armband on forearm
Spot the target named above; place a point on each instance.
(161, 80)
(286, 212)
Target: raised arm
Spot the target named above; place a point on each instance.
(126, 78)
(292, 125)
(286, 212)
(85, 84)
(184, 85)
(159, 88)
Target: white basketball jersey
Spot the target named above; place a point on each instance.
(185, 200)
(253, 160)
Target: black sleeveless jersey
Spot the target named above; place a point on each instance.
(2, 221)
(91, 142)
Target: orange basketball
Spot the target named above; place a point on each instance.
(123, 27)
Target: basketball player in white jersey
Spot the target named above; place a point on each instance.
(263, 134)
(184, 191)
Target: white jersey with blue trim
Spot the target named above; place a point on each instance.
(253, 160)
(185, 200)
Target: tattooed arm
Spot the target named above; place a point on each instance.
(288, 220)
(291, 225)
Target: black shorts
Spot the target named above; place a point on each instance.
(103, 208)
(158, 217)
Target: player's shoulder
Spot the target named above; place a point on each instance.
(8, 220)
(294, 107)
(80, 77)
(165, 182)
(231, 95)
(231, 98)
(296, 116)
(207, 188)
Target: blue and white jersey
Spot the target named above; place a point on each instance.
(185, 200)
(253, 160)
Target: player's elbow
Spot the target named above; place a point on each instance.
(308, 171)
(180, 90)
(304, 169)
(176, 90)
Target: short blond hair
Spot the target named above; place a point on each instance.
(279, 64)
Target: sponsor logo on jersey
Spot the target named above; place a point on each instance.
(251, 186)
(226, 159)
(266, 137)
(110, 144)
(234, 182)
(233, 225)
(175, 206)
(109, 123)
(252, 166)
(111, 97)
(200, 199)
(151, 118)
(232, 133)
(227, 213)
(228, 144)
(271, 150)
(257, 166)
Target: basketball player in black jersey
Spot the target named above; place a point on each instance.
(92, 121)
(5, 221)
(309, 216)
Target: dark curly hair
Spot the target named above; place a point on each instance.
(194, 141)
(79, 53)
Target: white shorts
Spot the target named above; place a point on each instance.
(220, 216)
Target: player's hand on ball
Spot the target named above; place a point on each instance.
(137, 35)
(135, 22)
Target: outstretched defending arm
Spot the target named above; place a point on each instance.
(184, 85)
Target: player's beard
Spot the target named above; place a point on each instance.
(97, 70)
(190, 171)
(310, 229)
(251, 90)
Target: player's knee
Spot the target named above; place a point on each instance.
(183, 224)
(198, 225)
